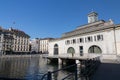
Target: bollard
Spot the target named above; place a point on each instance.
(49, 76)
(75, 71)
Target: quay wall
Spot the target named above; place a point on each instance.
(10, 56)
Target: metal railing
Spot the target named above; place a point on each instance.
(87, 69)
(48, 75)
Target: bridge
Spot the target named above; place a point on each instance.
(82, 71)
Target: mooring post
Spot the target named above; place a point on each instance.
(49, 76)
(76, 72)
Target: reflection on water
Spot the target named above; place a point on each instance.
(27, 67)
(14, 67)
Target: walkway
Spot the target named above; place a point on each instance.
(107, 71)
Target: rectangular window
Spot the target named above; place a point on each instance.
(68, 42)
(81, 50)
(89, 39)
(74, 41)
(81, 40)
(99, 37)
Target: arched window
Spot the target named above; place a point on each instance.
(94, 49)
(71, 50)
(56, 49)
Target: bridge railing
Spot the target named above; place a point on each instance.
(87, 69)
(48, 75)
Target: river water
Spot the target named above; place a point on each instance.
(28, 67)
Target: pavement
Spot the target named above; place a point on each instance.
(107, 71)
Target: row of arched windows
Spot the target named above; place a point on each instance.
(92, 49)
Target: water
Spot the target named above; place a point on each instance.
(28, 67)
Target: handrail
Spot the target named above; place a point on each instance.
(90, 66)
(50, 73)
(67, 76)
(64, 68)
(44, 76)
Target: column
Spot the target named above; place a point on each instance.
(60, 61)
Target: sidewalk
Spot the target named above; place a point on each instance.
(107, 71)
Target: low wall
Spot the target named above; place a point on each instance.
(33, 55)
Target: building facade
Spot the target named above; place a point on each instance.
(35, 45)
(44, 45)
(6, 41)
(40, 45)
(21, 41)
(13, 41)
(97, 38)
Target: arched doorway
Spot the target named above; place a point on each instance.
(56, 49)
(94, 49)
(71, 50)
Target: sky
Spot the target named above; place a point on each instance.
(52, 18)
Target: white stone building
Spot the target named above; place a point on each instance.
(40, 45)
(97, 38)
(35, 45)
(44, 45)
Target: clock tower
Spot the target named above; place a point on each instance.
(92, 17)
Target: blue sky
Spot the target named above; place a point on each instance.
(51, 18)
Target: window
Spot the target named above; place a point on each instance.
(74, 41)
(81, 40)
(94, 49)
(55, 49)
(71, 50)
(99, 37)
(89, 39)
(81, 50)
(68, 42)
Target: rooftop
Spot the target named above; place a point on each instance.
(91, 27)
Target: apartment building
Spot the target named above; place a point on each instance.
(13, 41)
